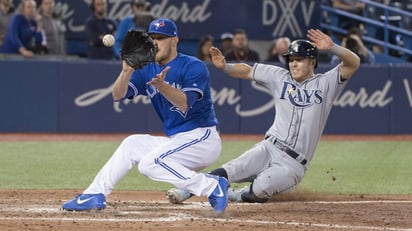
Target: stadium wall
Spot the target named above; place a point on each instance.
(74, 96)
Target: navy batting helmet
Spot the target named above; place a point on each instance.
(302, 48)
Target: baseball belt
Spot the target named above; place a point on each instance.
(285, 149)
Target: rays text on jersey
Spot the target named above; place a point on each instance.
(300, 97)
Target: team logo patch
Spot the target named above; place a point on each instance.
(181, 113)
(159, 24)
(295, 47)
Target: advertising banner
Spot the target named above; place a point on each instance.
(75, 97)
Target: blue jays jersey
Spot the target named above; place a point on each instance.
(187, 73)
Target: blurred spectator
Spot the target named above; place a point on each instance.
(24, 27)
(205, 43)
(53, 27)
(353, 41)
(226, 40)
(279, 47)
(394, 19)
(98, 25)
(240, 48)
(139, 19)
(375, 13)
(350, 6)
(408, 5)
(6, 11)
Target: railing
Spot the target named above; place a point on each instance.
(373, 25)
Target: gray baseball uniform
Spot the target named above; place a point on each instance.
(279, 162)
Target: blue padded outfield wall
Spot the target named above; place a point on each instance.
(74, 96)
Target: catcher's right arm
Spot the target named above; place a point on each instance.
(138, 49)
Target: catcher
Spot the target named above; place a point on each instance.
(179, 88)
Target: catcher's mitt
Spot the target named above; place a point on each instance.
(138, 49)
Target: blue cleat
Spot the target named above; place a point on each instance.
(218, 199)
(86, 202)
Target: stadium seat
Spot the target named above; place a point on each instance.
(372, 12)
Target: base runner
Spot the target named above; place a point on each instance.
(303, 101)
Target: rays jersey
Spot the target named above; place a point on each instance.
(187, 73)
(302, 108)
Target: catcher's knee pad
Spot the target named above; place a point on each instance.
(249, 196)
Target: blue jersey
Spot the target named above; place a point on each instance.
(124, 26)
(20, 33)
(187, 73)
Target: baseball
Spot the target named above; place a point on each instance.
(108, 40)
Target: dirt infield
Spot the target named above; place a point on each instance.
(137, 210)
(40, 210)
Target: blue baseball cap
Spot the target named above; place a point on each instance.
(163, 26)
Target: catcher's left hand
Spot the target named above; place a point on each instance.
(138, 49)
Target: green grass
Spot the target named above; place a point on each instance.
(338, 167)
(361, 168)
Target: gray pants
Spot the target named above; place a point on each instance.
(270, 169)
